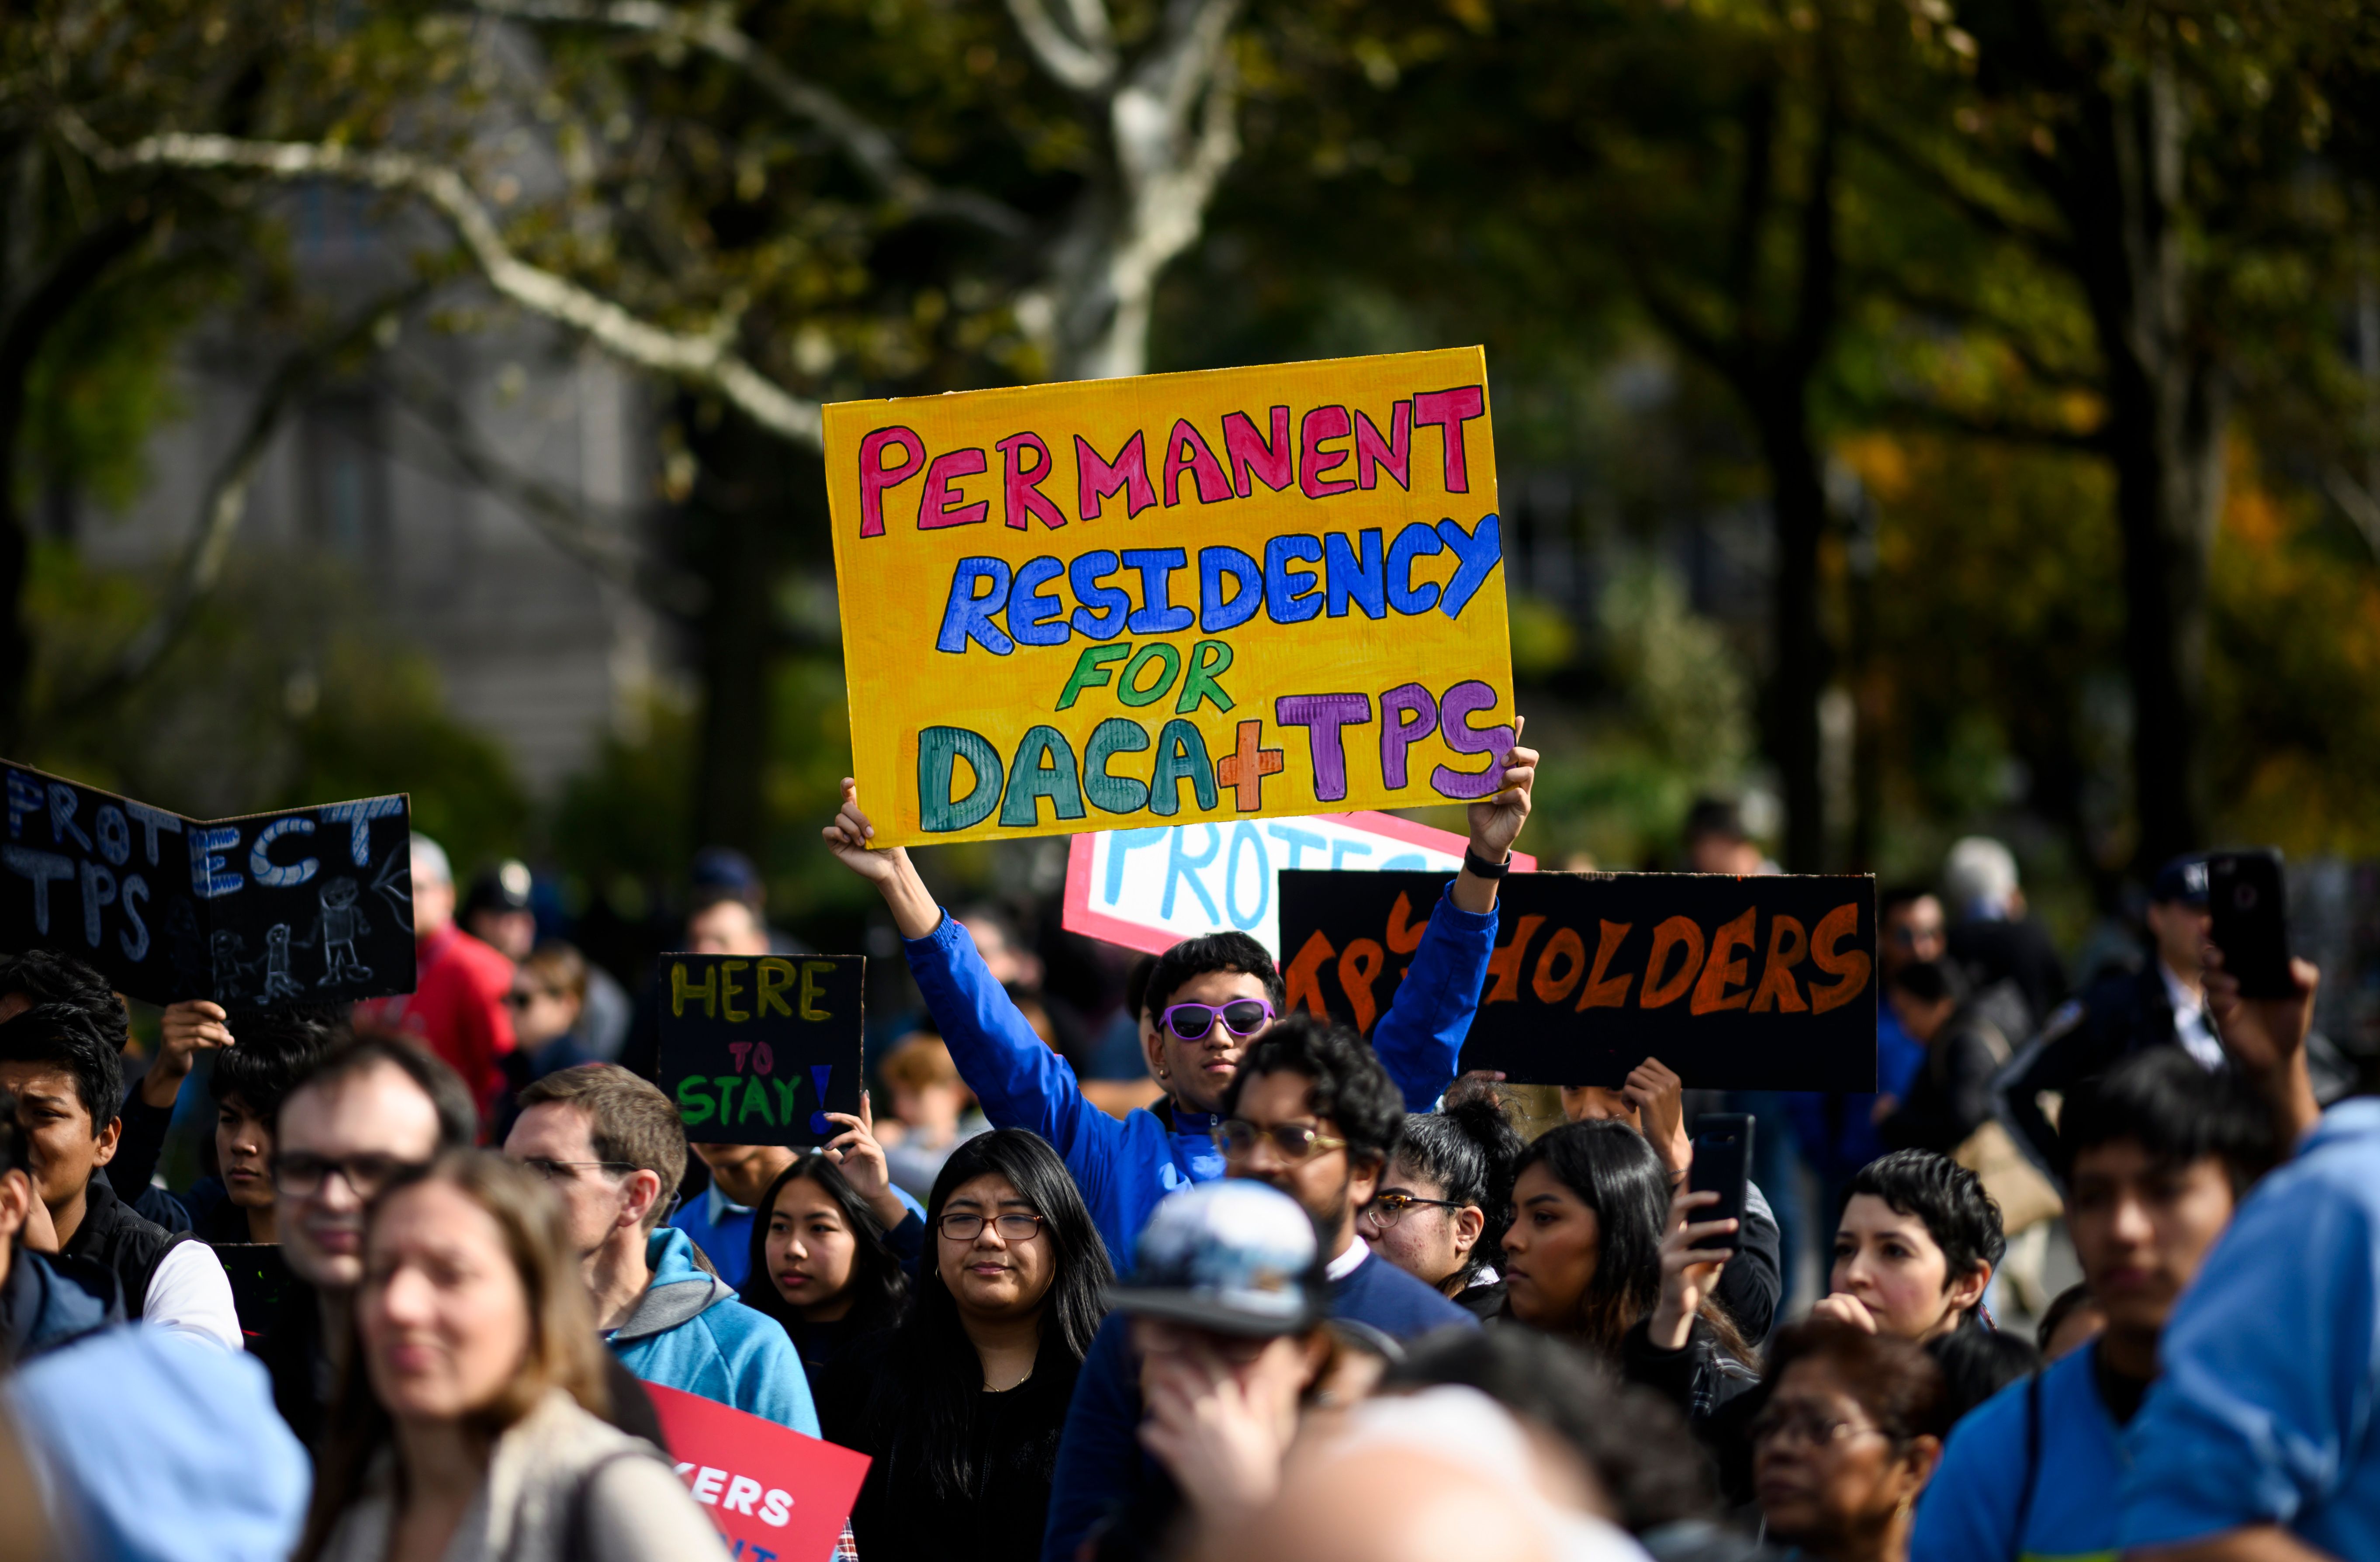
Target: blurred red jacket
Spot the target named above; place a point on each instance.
(456, 1008)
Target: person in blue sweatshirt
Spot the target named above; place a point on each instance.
(1210, 998)
(612, 1146)
(2260, 1439)
(1314, 1113)
(2155, 1155)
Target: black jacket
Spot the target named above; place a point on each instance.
(1988, 952)
(2118, 1015)
(120, 1241)
(1717, 1394)
(1952, 1096)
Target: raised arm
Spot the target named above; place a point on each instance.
(1420, 1038)
(1020, 1080)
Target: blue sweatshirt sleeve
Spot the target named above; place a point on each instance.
(1420, 1038)
(769, 1380)
(2265, 1404)
(1098, 1453)
(907, 1242)
(1020, 1080)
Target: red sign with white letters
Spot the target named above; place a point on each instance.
(773, 1492)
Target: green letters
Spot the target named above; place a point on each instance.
(1180, 756)
(1090, 671)
(1051, 774)
(1114, 794)
(693, 1106)
(939, 749)
(1200, 685)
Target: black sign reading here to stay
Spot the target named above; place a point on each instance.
(757, 1049)
(1737, 984)
(305, 905)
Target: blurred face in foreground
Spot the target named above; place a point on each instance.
(2142, 1227)
(443, 1315)
(1826, 1478)
(1551, 1251)
(339, 1144)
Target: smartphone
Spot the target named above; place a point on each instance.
(2248, 905)
(1722, 1166)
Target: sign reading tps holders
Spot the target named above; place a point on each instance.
(1173, 599)
(757, 1049)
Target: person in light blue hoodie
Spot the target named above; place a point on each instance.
(613, 1147)
(2260, 1439)
(1210, 998)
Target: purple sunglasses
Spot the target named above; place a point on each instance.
(1243, 1017)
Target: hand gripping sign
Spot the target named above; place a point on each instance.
(1765, 983)
(1184, 597)
(1149, 889)
(775, 1495)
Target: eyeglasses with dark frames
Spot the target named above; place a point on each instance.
(301, 1174)
(965, 1226)
(1387, 1209)
(1238, 1138)
(563, 1172)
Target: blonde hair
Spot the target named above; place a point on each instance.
(919, 1061)
(563, 1351)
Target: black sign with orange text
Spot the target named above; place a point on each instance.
(1737, 984)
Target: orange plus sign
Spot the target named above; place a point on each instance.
(1245, 767)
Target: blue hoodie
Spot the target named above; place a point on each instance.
(49, 1300)
(2264, 1413)
(689, 1332)
(1124, 1169)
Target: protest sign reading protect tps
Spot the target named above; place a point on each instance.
(775, 1495)
(1763, 983)
(1251, 592)
(757, 1049)
(1149, 889)
(306, 905)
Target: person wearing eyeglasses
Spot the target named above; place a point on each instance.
(1446, 1202)
(1211, 998)
(961, 1407)
(613, 1148)
(1313, 1112)
(1850, 1432)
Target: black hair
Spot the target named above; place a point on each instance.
(1469, 1149)
(1193, 958)
(459, 1115)
(1714, 816)
(16, 1151)
(1977, 1363)
(1889, 901)
(1947, 1198)
(61, 1035)
(2062, 1306)
(1635, 1441)
(276, 1050)
(1923, 980)
(47, 976)
(878, 1286)
(2177, 1111)
(1615, 1173)
(1351, 1086)
(1895, 1381)
(922, 1410)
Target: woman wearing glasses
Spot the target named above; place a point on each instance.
(1447, 1200)
(1847, 1439)
(961, 1404)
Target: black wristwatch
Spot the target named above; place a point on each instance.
(1478, 867)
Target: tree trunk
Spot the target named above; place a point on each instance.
(1797, 674)
(2167, 414)
(729, 522)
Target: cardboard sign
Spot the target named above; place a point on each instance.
(757, 1049)
(1737, 984)
(308, 906)
(1238, 594)
(773, 1492)
(1149, 889)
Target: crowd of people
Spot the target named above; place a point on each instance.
(1294, 1295)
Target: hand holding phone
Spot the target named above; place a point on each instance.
(2247, 904)
(1723, 1164)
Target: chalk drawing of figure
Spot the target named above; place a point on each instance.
(228, 965)
(342, 923)
(278, 982)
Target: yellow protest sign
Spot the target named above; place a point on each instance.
(1176, 598)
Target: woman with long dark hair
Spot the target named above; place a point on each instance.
(466, 1423)
(961, 1407)
(823, 1265)
(1583, 1260)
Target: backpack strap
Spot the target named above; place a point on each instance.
(2032, 1460)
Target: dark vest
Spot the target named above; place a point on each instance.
(127, 1246)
